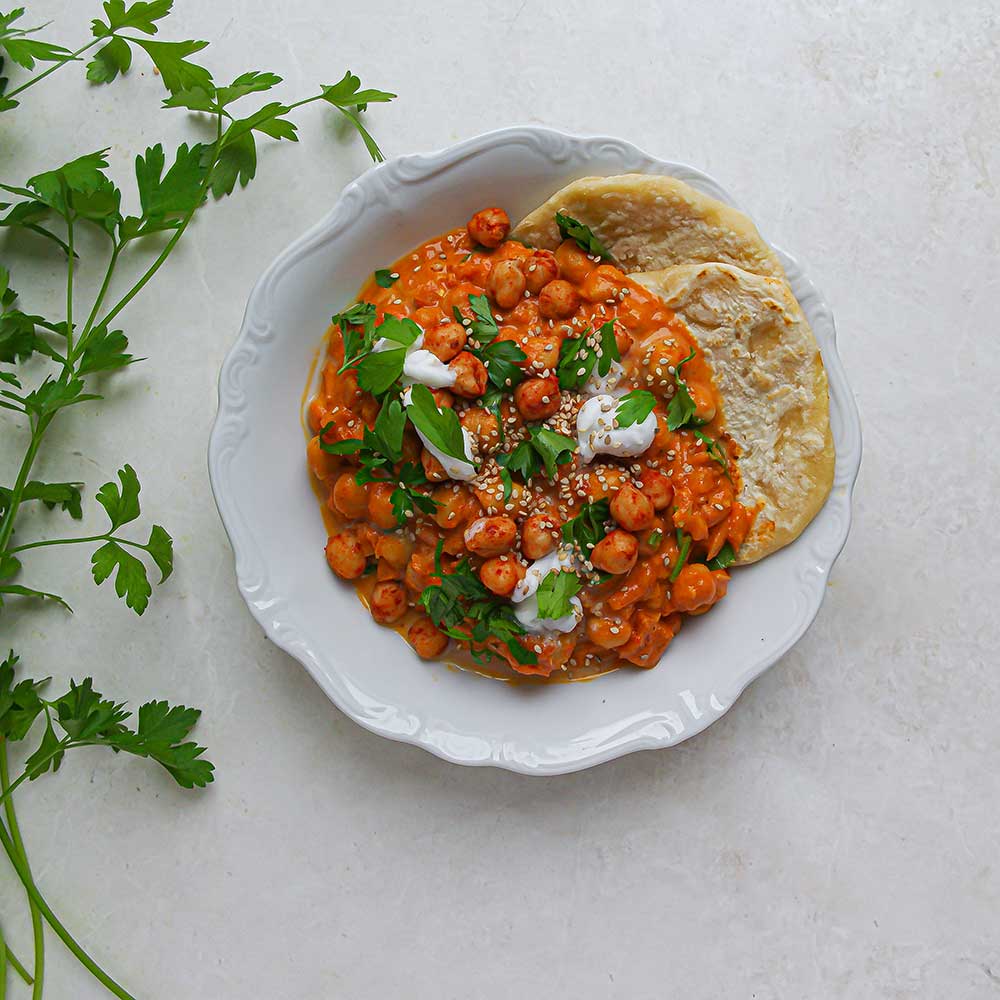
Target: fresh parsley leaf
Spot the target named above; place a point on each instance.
(167, 198)
(725, 558)
(587, 528)
(357, 330)
(54, 394)
(138, 16)
(461, 596)
(104, 351)
(576, 363)
(131, 582)
(67, 495)
(681, 411)
(385, 278)
(555, 593)
(634, 407)
(441, 427)
(716, 450)
(380, 370)
(17, 590)
(502, 360)
(347, 97)
(27, 51)
(161, 547)
(609, 348)
(571, 229)
(405, 498)
(543, 448)
(20, 703)
(109, 61)
(121, 505)
(683, 549)
(176, 71)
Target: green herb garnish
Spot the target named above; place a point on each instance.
(587, 528)
(502, 360)
(357, 330)
(571, 229)
(681, 411)
(385, 278)
(683, 548)
(555, 593)
(380, 370)
(634, 407)
(462, 596)
(441, 427)
(483, 325)
(655, 537)
(716, 450)
(725, 558)
(544, 448)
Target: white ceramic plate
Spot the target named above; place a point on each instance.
(258, 469)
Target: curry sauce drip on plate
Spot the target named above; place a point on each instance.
(476, 454)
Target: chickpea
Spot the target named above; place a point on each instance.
(525, 313)
(543, 351)
(608, 633)
(350, 498)
(704, 404)
(470, 372)
(540, 270)
(493, 503)
(538, 398)
(489, 227)
(558, 300)
(445, 341)
(419, 571)
(615, 553)
(443, 398)
(453, 505)
(701, 480)
(574, 264)
(538, 536)
(428, 293)
(631, 509)
(388, 602)
(345, 554)
(602, 481)
(602, 283)
(491, 536)
(426, 638)
(501, 575)
(427, 316)
(623, 340)
(380, 505)
(506, 284)
(394, 550)
(433, 469)
(454, 541)
(657, 488)
(321, 462)
(483, 426)
(317, 414)
(694, 587)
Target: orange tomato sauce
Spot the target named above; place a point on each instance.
(631, 617)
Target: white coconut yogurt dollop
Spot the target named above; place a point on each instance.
(597, 434)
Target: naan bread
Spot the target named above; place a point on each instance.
(649, 222)
(770, 376)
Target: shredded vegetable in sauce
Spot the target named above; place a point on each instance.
(522, 457)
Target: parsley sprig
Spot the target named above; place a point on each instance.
(380, 452)
(543, 448)
(439, 426)
(461, 598)
(634, 407)
(578, 359)
(588, 527)
(681, 411)
(571, 229)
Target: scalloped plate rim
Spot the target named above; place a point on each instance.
(288, 638)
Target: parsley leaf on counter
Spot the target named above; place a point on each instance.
(634, 407)
(441, 427)
(555, 593)
(587, 528)
(571, 229)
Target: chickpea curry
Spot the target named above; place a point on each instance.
(522, 457)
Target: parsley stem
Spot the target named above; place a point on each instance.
(72, 57)
(17, 491)
(17, 966)
(99, 301)
(37, 930)
(69, 287)
(3, 967)
(24, 874)
(75, 541)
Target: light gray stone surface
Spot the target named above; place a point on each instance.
(837, 834)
